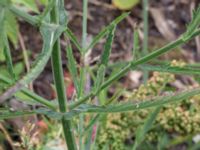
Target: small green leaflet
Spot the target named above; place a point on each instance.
(13, 114)
(135, 43)
(108, 46)
(8, 57)
(193, 25)
(171, 69)
(29, 4)
(62, 13)
(4, 46)
(105, 30)
(99, 79)
(47, 10)
(142, 130)
(72, 66)
(73, 38)
(11, 27)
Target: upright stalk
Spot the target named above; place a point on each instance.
(145, 30)
(59, 84)
(83, 74)
(84, 32)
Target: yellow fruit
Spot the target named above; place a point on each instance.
(125, 4)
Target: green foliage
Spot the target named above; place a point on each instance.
(100, 78)
(7, 114)
(120, 120)
(11, 28)
(108, 46)
(135, 44)
(72, 66)
(179, 118)
(5, 3)
(142, 130)
(193, 25)
(105, 30)
(29, 4)
(11, 25)
(50, 33)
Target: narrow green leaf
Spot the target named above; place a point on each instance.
(131, 106)
(97, 38)
(31, 95)
(33, 20)
(47, 10)
(49, 113)
(142, 130)
(135, 43)
(11, 28)
(193, 25)
(4, 45)
(114, 98)
(73, 38)
(81, 82)
(188, 69)
(9, 58)
(108, 46)
(91, 124)
(105, 30)
(10, 114)
(120, 18)
(72, 66)
(62, 13)
(100, 78)
(167, 68)
(30, 4)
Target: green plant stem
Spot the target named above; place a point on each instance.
(84, 32)
(35, 21)
(8, 57)
(31, 94)
(145, 40)
(59, 84)
(84, 73)
(133, 64)
(145, 28)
